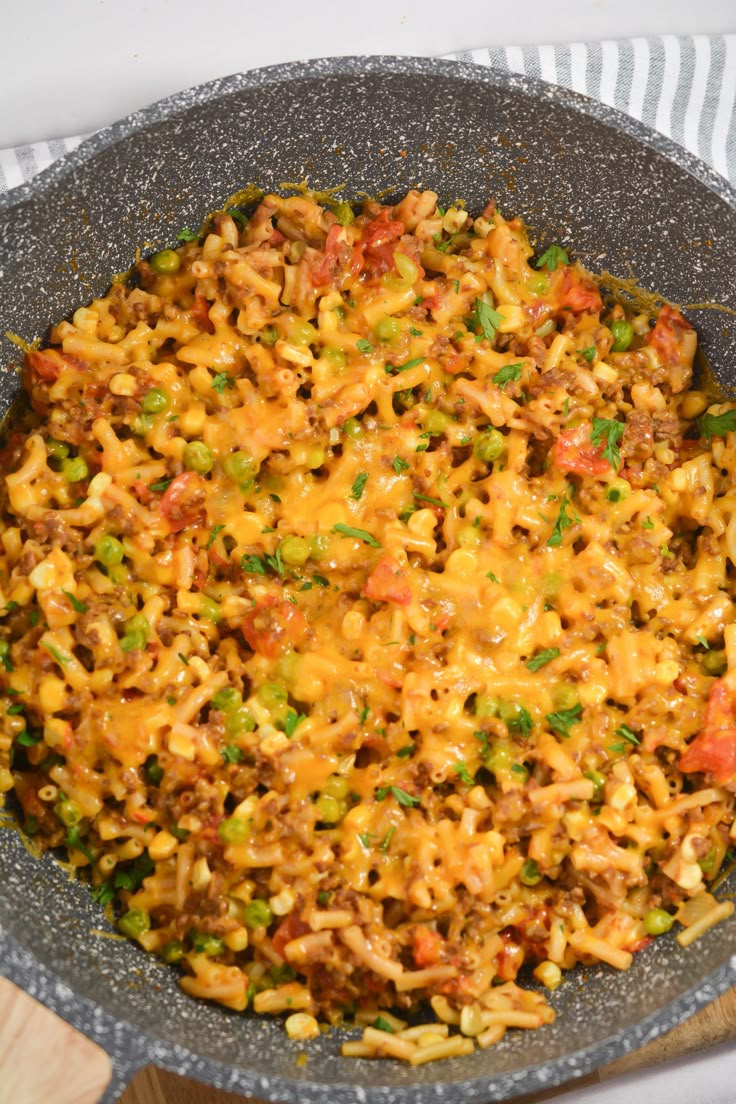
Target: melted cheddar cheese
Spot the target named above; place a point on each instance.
(367, 614)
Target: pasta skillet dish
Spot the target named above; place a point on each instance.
(368, 618)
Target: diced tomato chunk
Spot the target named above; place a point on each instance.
(426, 946)
(713, 751)
(199, 313)
(334, 246)
(673, 338)
(387, 583)
(577, 293)
(183, 501)
(291, 928)
(273, 626)
(377, 243)
(573, 452)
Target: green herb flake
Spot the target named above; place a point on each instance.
(563, 721)
(221, 381)
(28, 739)
(77, 606)
(74, 839)
(486, 319)
(183, 658)
(162, 485)
(587, 354)
(717, 425)
(383, 845)
(553, 257)
(703, 642)
(213, 535)
(542, 658)
(399, 465)
(608, 432)
(321, 581)
(359, 485)
(491, 576)
(364, 346)
(564, 519)
(413, 363)
(187, 235)
(231, 754)
(647, 523)
(293, 719)
(432, 501)
(510, 373)
(357, 534)
(402, 753)
(628, 735)
(62, 659)
(382, 1024)
(401, 796)
(15, 709)
(463, 773)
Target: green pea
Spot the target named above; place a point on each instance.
(302, 332)
(564, 696)
(240, 721)
(227, 699)
(328, 809)
(257, 914)
(154, 401)
(233, 830)
(486, 706)
(209, 609)
(141, 424)
(500, 756)
(530, 873)
(436, 422)
(344, 214)
(657, 921)
(623, 333)
(286, 665)
(295, 550)
(154, 771)
(204, 943)
(336, 358)
(173, 951)
(337, 786)
(239, 466)
(134, 923)
(489, 445)
(319, 545)
(406, 268)
(269, 336)
(58, 449)
(109, 551)
(352, 427)
(714, 662)
(68, 813)
(387, 329)
(74, 469)
(273, 695)
(166, 262)
(599, 782)
(136, 633)
(510, 713)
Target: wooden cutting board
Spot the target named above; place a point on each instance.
(44, 1061)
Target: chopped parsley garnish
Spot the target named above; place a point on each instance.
(608, 432)
(524, 722)
(28, 739)
(717, 425)
(587, 354)
(320, 580)
(364, 346)
(293, 719)
(491, 576)
(132, 878)
(359, 485)
(366, 838)
(401, 796)
(74, 839)
(259, 565)
(14, 709)
(358, 534)
(211, 539)
(415, 332)
(463, 773)
(564, 520)
(162, 485)
(563, 721)
(486, 319)
(553, 257)
(77, 606)
(61, 659)
(363, 715)
(183, 658)
(231, 754)
(221, 381)
(399, 465)
(413, 363)
(542, 658)
(647, 523)
(383, 845)
(382, 1024)
(703, 642)
(187, 235)
(402, 753)
(628, 734)
(238, 216)
(510, 373)
(432, 501)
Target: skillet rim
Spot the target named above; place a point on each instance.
(128, 1046)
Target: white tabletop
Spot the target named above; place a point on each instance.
(71, 66)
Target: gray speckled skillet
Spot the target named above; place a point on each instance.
(578, 173)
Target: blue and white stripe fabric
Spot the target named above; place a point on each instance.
(684, 87)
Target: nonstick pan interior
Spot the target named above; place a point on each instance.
(623, 199)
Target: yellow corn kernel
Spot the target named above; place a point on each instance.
(549, 973)
(237, 940)
(462, 562)
(512, 317)
(471, 1020)
(51, 695)
(201, 875)
(123, 384)
(162, 846)
(302, 1026)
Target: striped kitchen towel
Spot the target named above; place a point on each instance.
(684, 87)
